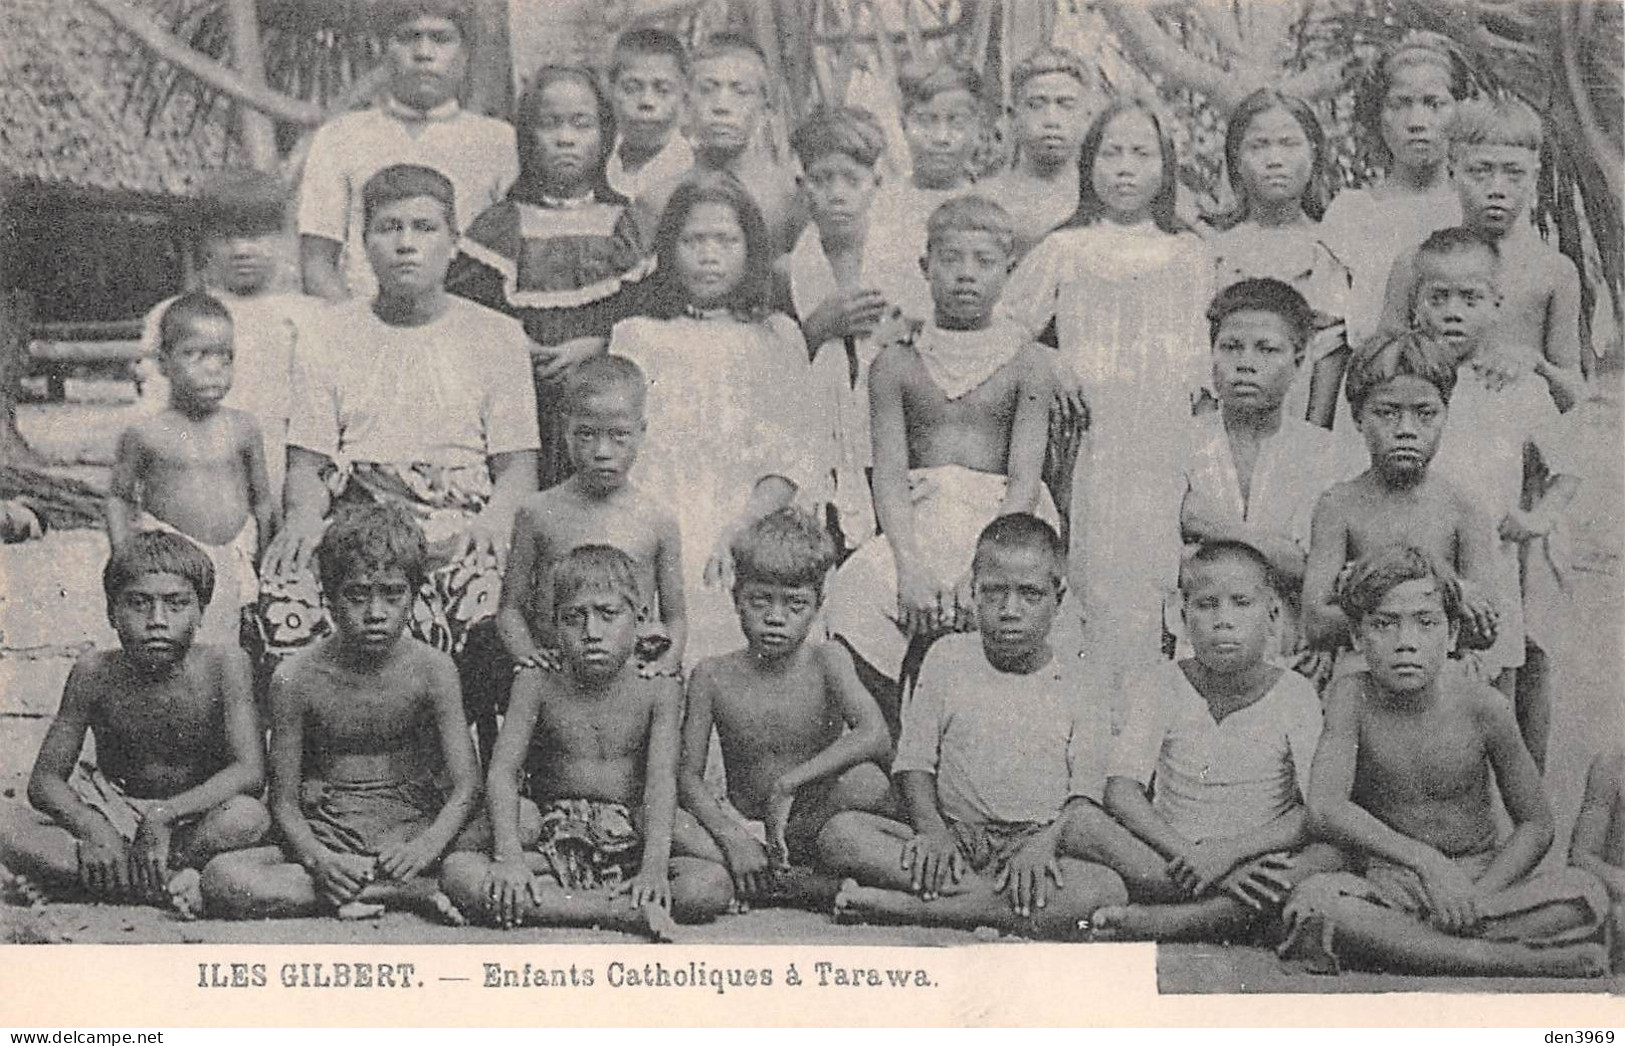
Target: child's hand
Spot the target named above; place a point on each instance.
(1261, 882)
(149, 857)
(551, 363)
(719, 567)
(290, 552)
(779, 803)
(1497, 367)
(104, 864)
(918, 605)
(1480, 619)
(933, 861)
(964, 606)
(541, 659)
(1451, 895)
(1023, 877)
(748, 864)
(649, 886)
(1518, 525)
(1206, 864)
(405, 861)
(1069, 400)
(340, 878)
(1568, 384)
(507, 884)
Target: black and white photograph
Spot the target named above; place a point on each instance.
(817, 474)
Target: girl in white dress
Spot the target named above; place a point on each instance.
(736, 425)
(1125, 287)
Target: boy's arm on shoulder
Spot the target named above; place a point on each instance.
(1325, 626)
(1396, 297)
(515, 601)
(48, 788)
(660, 771)
(1562, 348)
(1519, 781)
(1029, 433)
(262, 500)
(130, 462)
(669, 580)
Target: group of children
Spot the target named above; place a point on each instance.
(1066, 606)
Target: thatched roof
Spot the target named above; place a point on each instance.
(63, 118)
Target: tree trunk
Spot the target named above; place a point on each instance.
(256, 130)
(16, 312)
(490, 89)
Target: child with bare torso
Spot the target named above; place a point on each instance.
(959, 418)
(801, 739)
(597, 742)
(198, 468)
(178, 749)
(367, 730)
(1398, 389)
(1404, 782)
(1598, 844)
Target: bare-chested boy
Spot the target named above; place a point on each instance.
(198, 468)
(1598, 843)
(959, 420)
(1495, 160)
(1001, 768)
(595, 745)
(1404, 783)
(178, 749)
(801, 739)
(1050, 108)
(1398, 389)
(372, 770)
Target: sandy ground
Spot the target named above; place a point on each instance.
(51, 610)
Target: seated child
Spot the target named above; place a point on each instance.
(595, 745)
(1495, 427)
(801, 739)
(1000, 760)
(198, 468)
(1404, 782)
(959, 421)
(367, 733)
(1255, 469)
(1223, 741)
(1398, 389)
(1598, 844)
(178, 745)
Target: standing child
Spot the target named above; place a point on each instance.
(1404, 782)
(1398, 389)
(1126, 289)
(367, 732)
(648, 73)
(1495, 150)
(595, 745)
(1276, 157)
(1598, 844)
(841, 293)
(1228, 738)
(1050, 93)
(801, 739)
(1492, 432)
(178, 745)
(1404, 108)
(959, 412)
(419, 121)
(1001, 755)
(738, 427)
(198, 467)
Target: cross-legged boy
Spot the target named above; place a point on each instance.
(372, 770)
(597, 505)
(1255, 471)
(419, 121)
(1000, 750)
(1495, 428)
(1398, 389)
(801, 739)
(1404, 782)
(179, 754)
(648, 75)
(1598, 843)
(1495, 160)
(595, 746)
(1226, 738)
(959, 419)
(198, 468)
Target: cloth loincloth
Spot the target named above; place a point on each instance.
(236, 582)
(122, 810)
(589, 843)
(367, 818)
(990, 846)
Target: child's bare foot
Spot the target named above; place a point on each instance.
(1106, 924)
(847, 898)
(357, 911)
(1575, 960)
(186, 893)
(447, 910)
(661, 927)
(1308, 946)
(19, 890)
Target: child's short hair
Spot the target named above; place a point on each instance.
(848, 130)
(720, 45)
(1263, 294)
(1415, 48)
(392, 13)
(159, 552)
(408, 181)
(1045, 61)
(1022, 530)
(1386, 357)
(603, 373)
(371, 538)
(753, 297)
(920, 84)
(971, 213)
(240, 201)
(787, 547)
(1458, 239)
(647, 40)
(595, 568)
(1215, 549)
(1495, 120)
(184, 311)
(1369, 580)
